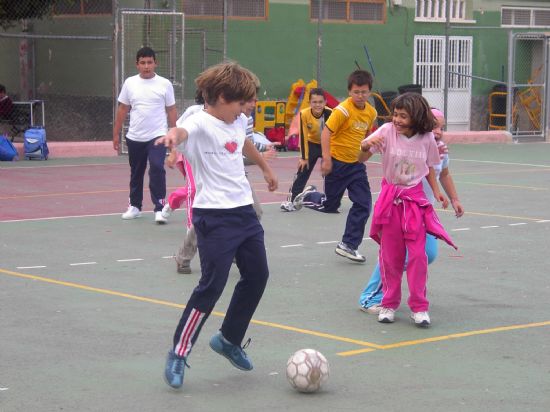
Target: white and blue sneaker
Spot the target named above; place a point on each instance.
(298, 201)
(234, 353)
(344, 250)
(288, 207)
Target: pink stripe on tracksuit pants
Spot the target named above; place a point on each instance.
(185, 193)
(401, 218)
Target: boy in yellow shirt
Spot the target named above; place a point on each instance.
(312, 123)
(350, 122)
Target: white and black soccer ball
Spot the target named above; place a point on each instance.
(307, 370)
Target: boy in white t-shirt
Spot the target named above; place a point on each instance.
(213, 141)
(149, 98)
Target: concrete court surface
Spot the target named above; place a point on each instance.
(89, 302)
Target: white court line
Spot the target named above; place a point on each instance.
(460, 229)
(296, 245)
(488, 227)
(59, 217)
(67, 217)
(30, 267)
(542, 221)
(327, 242)
(168, 257)
(517, 224)
(82, 263)
(500, 163)
(129, 260)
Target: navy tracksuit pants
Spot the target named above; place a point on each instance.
(139, 153)
(353, 177)
(222, 235)
(302, 176)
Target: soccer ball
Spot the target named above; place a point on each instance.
(307, 370)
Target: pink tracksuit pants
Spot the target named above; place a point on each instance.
(394, 248)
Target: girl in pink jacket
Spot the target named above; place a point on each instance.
(402, 214)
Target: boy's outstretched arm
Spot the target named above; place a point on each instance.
(174, 137)
(250, 151)
(449, 186)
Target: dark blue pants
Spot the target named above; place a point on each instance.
(139, 153)
(224, 234)
(302, 176)
(353, 177)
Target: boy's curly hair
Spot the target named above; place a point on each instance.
(227, 79)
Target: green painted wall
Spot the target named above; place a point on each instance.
(283, 49)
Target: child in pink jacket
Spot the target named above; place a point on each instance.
(402, 214)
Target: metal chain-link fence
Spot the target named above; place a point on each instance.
(528, 75)
(60, 62)
(61, 55)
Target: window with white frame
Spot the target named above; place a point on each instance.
(436, 10)
(525, 17)
(429, 62)
(236, 9)
(361, 11)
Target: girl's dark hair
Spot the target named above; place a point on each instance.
(360, 78)
(145, 52)
(417, 107)
(198, 97)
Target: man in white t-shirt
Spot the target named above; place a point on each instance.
(149, 98)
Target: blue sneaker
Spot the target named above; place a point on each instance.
(234, 353)
(175, 367)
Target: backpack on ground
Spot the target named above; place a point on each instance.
(8, 152)
(293, 143)
(35, 144)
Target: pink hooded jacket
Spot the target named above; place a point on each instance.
(417, 210)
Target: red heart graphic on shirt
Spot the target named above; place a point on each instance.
(231, 147)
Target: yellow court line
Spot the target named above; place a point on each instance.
(177, 305)
(371, 345)
(448, 337)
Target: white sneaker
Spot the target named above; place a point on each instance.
(288, 207)
(298, 201)
(159, 218)
(166, 211)
(373, 310)
(421, 319)
(131, 213)
(386, 315)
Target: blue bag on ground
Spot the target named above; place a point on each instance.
(8, 152)
(35, 144)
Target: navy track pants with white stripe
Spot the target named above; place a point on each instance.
(222, 235)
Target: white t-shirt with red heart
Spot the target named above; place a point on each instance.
(214, 150)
